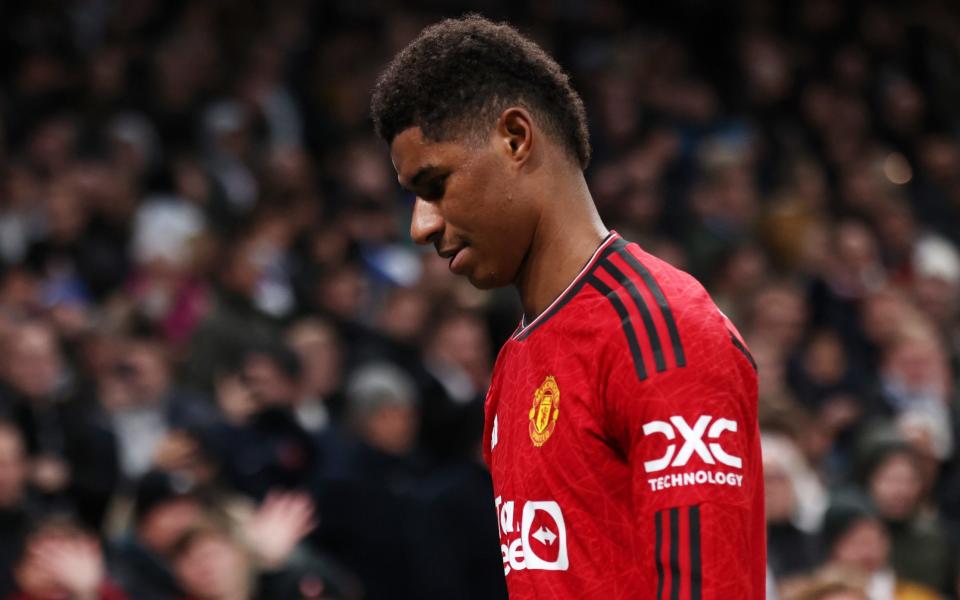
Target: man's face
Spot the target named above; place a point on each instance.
(34, 364)
(469, 204)
(268, 384)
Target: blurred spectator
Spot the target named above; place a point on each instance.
(320, 352)
(828, 585)
(74, 464)
(856, 540)
(457, 359)
(168, 246)
(458, 355)
(17, 508)
(916, 374)
(212, 563)
(779, 315)
(369, 511)
(148, 414)
(795, 502)
(920, 550)
(234, 320)
(164, 510)
(263, 446)
(61, 560)
(382, 408)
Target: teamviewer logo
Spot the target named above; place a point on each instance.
(710, 451)
(542, 541)
(539, 521)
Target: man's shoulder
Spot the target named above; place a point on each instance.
(626, 296)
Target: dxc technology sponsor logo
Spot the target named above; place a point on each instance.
(702, 439)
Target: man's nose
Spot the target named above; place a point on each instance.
(426, 225)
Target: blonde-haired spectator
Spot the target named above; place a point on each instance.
(828, 584)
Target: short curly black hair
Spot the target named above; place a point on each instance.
(457, 77)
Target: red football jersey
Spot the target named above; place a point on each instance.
(622, 437)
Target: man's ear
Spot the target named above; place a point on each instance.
(515, 130)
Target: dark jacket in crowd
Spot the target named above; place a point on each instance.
(271, 451)
(142, 574)
(80, 436)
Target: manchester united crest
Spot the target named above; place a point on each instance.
(545, 410)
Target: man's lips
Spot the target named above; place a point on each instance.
(456, 257)
(450, 252)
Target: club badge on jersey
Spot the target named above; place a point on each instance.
(545, 411)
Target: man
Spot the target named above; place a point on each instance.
(164, 510)
(73, 460)
(621, 422)
(265, 447)
(156, 424)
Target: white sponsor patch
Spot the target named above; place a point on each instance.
(693, 442)
(542, 540)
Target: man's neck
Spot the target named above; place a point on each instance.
(567, 235)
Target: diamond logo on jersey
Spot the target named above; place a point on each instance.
(537, 540)
(545, 411)
(544, 536)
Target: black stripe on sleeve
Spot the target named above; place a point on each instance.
(658, 548)
(641, 305)
(654, 287)
(611, 295)
(674, 554)
(696, 574)
(743, 349)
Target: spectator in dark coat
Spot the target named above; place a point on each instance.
(366, 508)
(74, 462)
(264, 447)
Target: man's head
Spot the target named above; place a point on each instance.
(142, 372)
(273, 374)
(479, 119)
(382, 407)
(34, 364)
(164, 509)
(210, 563)
(854, 537)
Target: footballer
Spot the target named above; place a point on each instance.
(621, 422)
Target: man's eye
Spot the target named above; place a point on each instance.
(435, 189)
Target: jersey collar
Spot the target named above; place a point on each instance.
(526, 328)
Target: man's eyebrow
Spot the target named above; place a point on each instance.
(421, 174)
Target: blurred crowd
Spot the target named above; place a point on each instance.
(227, 374)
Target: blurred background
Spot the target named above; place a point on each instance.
(227, 373)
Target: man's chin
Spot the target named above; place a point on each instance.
(486, 280)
